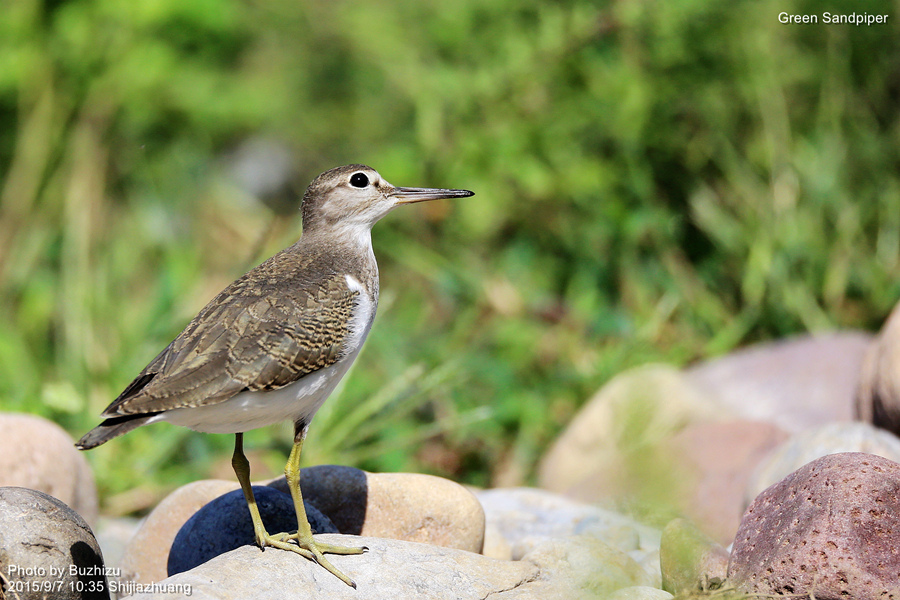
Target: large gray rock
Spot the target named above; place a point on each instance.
(38, 454)
(830, 529)
(796, 384)
(577, 567)
(390, 569)
(225, 524)
(47, 550)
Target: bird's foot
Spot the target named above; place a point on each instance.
(308, 547)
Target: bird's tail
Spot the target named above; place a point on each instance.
(111, 428)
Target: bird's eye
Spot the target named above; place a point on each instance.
(359, 180)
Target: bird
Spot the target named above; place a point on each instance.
(272, 346)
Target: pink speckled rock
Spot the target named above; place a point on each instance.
(829, 529)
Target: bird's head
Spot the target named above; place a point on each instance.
(354, 197)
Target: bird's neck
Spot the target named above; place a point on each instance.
(348, 248)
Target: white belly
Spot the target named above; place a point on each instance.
(297, 401)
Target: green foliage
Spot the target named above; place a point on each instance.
(654, 181)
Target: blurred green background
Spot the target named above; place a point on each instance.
(654, 181)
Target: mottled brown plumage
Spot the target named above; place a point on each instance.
(275, 343)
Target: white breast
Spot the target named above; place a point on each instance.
(294, 402)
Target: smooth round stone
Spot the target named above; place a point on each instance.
(38, 454)
(225, 524)
(47, 550)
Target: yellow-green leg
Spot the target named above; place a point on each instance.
(306, 545)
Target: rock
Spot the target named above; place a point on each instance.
(38, 454)
(830, 529)
(809, 445)
(41, 540)
(690, 560)
(714, 462)
(146, 555)
(225, 524)
(640, 592)
(528, 518)
(795, 384)
(878, 393)
(390, 569)
(579, 567)
(576, 567)
(598, 454)
(400, 506)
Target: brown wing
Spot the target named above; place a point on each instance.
(255, 335)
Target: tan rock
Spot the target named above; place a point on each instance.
(146, 555)
(400, 506)
(596, 455)
(38, 454)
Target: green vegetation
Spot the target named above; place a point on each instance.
(654, 181)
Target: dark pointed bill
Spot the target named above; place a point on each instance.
(408, 195)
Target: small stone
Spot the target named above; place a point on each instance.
(400, 506)
(795, 384)
(690, 560)
(878, 394)
(593, 458)
(38, 454)
(41, 541)
(145, 558)
(225, 524)
(830, 529)
(807, 446)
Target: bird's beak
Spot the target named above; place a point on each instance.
(408, 195)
